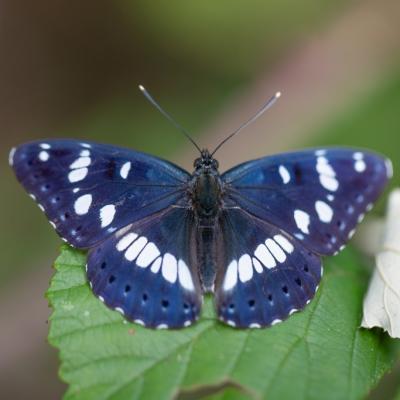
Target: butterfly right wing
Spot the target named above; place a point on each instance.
(146, 271)
(317, 196)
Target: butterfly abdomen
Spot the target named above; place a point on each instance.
(206, 257)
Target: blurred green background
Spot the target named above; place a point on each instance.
(71, 69)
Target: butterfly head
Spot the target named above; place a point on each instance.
(205, 163)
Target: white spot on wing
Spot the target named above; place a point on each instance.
(302, 220)
(126, 241)
(107, 214)
(120, 310)
(276, 251)
(11, 156)
(162, 326)
(231, 276)
(299, 236)
(44, 156)
(263, 254)
(327, 176)
(324, 168)
(84, 153)
(169, 268)
(80, 162)
(185, 278)
(324, 211)
(284, 173)
(360, 165)
(45, 146)
(254, 325)
(284, 243)
(82, 204)
(257, 265)
(320, 152)
(389, 168)
(148, 255)
(125, 170)
(245, 268)
(155, 267)
(329, 183)
(77, 175)
(123, 231)
(86, 145)
(135, 248)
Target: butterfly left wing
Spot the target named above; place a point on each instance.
(316, 196)
(90, 190)
(146, 270)
(265, 274)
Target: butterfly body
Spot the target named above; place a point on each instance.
(158, 237)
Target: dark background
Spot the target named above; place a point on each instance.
(71, 69)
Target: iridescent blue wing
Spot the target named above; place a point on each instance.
(89, 190)
(315, 196)
(266, 275)
(144, 270)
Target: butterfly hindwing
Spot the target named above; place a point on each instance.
(265, 274)
(317, 196)
(89, 190)
(145, 270)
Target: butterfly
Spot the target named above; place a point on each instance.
(159, 238)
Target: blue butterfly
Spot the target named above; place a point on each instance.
(159, 237)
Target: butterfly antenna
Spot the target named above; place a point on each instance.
(168, 116)
(261, 111)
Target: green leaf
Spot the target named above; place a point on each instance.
(318, 353)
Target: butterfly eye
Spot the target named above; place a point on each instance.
(197, 163)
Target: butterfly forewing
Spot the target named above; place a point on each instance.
(316, 196)
(145, 271)
(266, 274)
(88, 190)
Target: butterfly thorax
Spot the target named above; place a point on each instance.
(206, 189)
